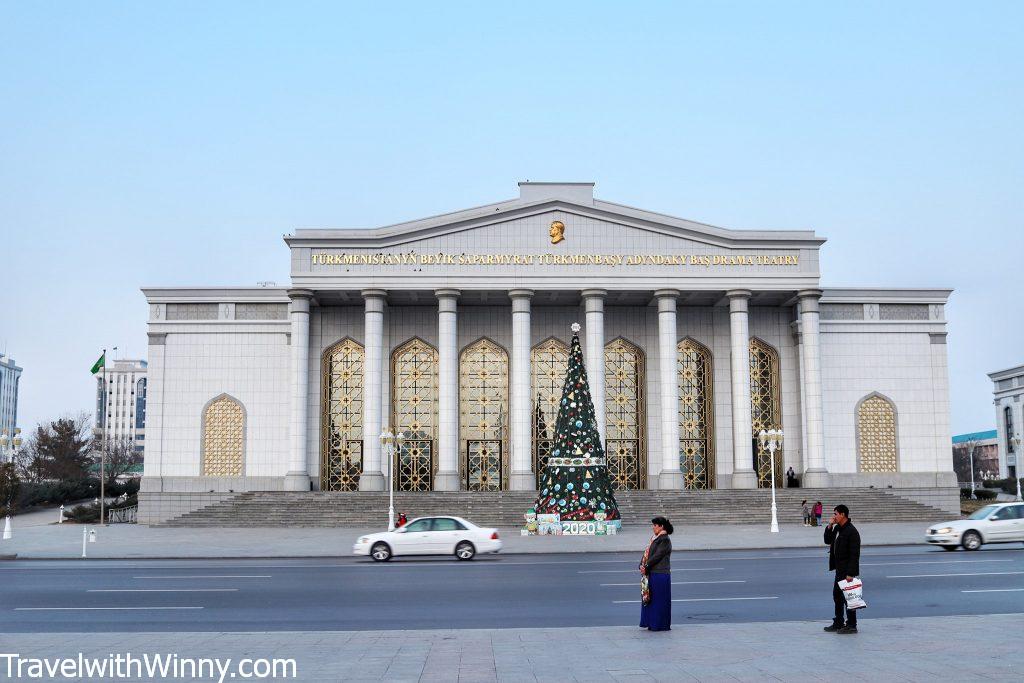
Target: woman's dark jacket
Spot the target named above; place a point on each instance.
(844, 549)
(658, 559)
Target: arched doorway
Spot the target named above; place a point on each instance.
(549, 362)
(341, 416)
(696, 415)
(625, 437)
(414, 413)
(765, 407)
(483, 416)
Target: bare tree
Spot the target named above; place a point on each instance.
(120, 457)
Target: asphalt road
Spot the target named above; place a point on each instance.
(505, 591)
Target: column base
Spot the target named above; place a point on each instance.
(670, 480)
(296, 481)
(816, 479)
(746, 479)
(372, 481)
(446, 481)
(522, 481)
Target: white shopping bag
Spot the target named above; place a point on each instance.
(853, 591)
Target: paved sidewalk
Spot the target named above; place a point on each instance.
(918, 649)
(135, 541)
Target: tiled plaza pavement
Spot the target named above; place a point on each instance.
(922, 649)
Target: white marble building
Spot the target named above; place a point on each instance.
(121, 402)
(1007, 390)
(453, 329)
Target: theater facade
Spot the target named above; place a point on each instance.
(453, 330)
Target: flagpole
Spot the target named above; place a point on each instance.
(103, 448)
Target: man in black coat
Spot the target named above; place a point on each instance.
(843, 540)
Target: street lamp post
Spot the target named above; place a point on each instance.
(1016, 468)
(772, 440)
(9, 447)
(388, 442)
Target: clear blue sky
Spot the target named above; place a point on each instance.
(173, 144)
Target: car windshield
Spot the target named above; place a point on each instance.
(984, 512)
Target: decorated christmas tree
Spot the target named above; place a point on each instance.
(575, 481)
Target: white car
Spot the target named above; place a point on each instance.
(997, 523)
(430, 536)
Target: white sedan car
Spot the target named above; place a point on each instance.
(430, 536)
(997, 523)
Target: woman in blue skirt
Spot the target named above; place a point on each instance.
(656, 583)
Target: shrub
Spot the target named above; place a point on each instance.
(57, 492)
(985, 494)
(965, 494)
(1008, 485)
(84, 514)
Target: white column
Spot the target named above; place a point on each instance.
(523, 477)
(743, 476)
(815, 474)
(447, 478)
(372, 478)
(297, 477)
(593, 301)
(671, 475)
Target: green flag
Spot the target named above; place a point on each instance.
(98, 365)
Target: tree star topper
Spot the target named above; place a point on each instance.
(575, 327)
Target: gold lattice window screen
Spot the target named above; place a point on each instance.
(765, 407)
(625, 443)
(414, 412)
(223, 438)
(876, 431)
(483, 416)
(550, 362)
(341, 419)
(696, 415)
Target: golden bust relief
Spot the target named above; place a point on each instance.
(557, 232)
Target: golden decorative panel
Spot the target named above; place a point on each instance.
(341, 416)
(876, 434)
(223, 438)
(549, 362)
(483, 416)
(696, 415)
(625, 443)
(414, 412)
(765, 407)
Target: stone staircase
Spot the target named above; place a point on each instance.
(506, 508)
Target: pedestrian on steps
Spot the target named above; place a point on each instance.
(656, 579)
(817, 513)
(807, 512)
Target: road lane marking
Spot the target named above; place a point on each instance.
(996, 590)
(207, 576)
(635, 571)
(676, 583)
(932, 576)
(760, 597)
(36, 609)
(886, 564)
(161, 590)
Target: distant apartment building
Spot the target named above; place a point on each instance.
(980, 449)
(10, 376)
(121, 402)
(1007, 390)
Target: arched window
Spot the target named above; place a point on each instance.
(765, 407)
(483, 415)
(223, 440)
(414, 412)
(696, 415)
(876, 434)
(341, 416)
(625, 437)
(549, 362)
(1008, 422)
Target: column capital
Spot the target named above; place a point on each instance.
(300, 300)
(594, 293)
(667, 293)
(374, 294)
(738, 294)
(447, 293)
(809, 300)
(520, 294)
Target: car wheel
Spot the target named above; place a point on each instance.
(971, 540)
(465, 550)
(380, 552)
(949, 547)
